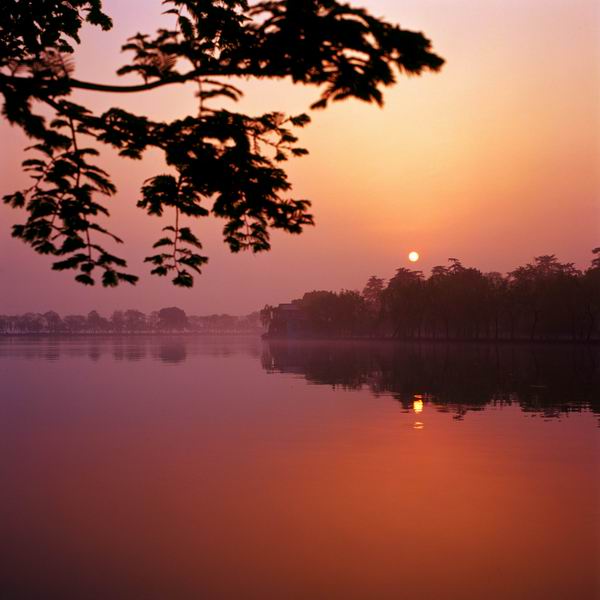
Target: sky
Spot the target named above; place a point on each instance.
(494, 160)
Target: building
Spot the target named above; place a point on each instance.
(288, 321)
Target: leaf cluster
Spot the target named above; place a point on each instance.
(62, 208)
(219, 162)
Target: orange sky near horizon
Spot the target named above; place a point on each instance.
(494, 160)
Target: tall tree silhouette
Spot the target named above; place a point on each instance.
(403, 301)
(592, 294)
(373, 298)
(219, 162)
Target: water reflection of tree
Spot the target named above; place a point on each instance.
(129, 349)
(453, 377)
(172, 352)
(123, 349)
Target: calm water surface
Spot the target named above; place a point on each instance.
(189, 468)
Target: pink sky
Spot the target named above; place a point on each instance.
(494, 160)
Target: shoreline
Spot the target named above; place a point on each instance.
(291, 339)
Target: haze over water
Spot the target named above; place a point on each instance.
(178, 467)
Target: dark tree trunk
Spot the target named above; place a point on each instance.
(534, 325)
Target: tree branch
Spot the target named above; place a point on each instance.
(125, 89)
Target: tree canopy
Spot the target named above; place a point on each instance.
(542, 300)
(221, 163)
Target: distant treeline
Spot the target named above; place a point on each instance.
(128, 322)
(543, 300)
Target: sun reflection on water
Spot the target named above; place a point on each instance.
(418, 404)
(418, 407)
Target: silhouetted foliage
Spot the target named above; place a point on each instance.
(218, 161)
(543, 300)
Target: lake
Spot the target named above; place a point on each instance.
(222, 468)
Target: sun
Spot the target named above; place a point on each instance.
(413, 256)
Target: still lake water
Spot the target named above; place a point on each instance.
(190, 468)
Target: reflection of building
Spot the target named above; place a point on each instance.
(288, 320)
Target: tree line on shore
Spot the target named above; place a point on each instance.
(171, 319)
(542, 300)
